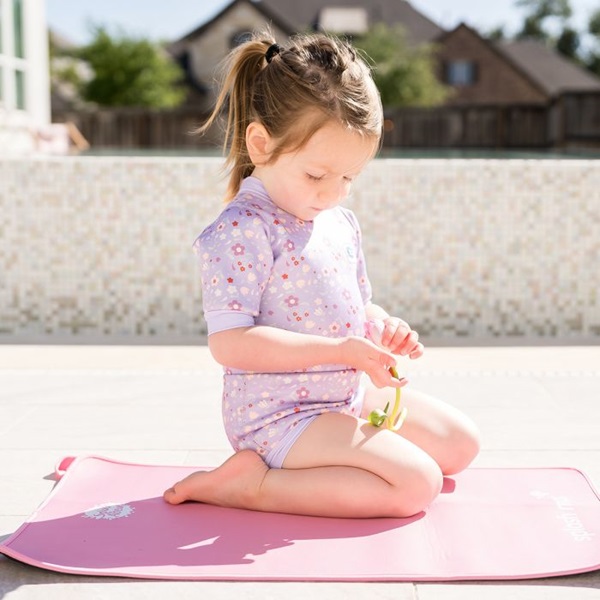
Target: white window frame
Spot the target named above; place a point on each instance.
(9, 63)
(34, 65)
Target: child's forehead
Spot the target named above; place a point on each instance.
(335, 148)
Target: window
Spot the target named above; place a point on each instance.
(461, 72)
(13, 56)
(18, 28)
(239, 38)
(1, 32)
(345, 21)
(20, 90)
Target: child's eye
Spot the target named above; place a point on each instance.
(314, 177)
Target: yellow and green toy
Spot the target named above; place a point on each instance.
(393, 421)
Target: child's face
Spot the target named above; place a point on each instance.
(319, 175)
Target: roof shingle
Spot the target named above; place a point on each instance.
(547, 68)
(305, 13)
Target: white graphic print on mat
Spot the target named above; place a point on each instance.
(109, 511)
(567, 515)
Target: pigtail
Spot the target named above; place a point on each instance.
(235, 99)
(293, 92)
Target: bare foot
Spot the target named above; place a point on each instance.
(234, 484)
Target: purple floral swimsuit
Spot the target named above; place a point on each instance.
(262, 266)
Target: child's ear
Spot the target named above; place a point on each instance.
(259, 143)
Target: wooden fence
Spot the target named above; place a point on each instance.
(135, 128)
(467, 127)
(572, 120)
(581, 116)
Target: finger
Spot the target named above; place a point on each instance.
(385, 359)
(398, 383)
(378, 377)
(397, 336)
(417, 352)
(383, 378)
(409, 344)
(390, 327)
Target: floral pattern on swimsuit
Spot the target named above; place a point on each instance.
(260, 265)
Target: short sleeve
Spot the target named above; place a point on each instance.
(235, 259)
(362, 277)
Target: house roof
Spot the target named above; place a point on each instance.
(547, 68)
(302, 14)
(293, 16)
(261, 7)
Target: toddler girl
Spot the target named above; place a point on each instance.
(286, 299)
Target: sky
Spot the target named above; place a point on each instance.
(171, 19)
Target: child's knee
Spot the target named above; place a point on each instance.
(421, 488)
(463, 448)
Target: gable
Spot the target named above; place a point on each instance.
(202, 50)
(551, 71)
(305, 14)
(260, 10)
(512, 72)
(498, 80)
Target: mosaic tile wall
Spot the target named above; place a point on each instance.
(99, 249)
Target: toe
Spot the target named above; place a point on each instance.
(173, 495)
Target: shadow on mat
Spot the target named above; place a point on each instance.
(149, 532)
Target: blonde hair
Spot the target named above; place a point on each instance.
(314, 79)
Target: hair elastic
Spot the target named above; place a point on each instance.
(272, 50)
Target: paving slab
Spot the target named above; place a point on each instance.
(536, 406)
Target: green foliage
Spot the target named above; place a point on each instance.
(568, 43)
(592, 60)
(130, 72)
(533, 28)
(542, 9)
(593, 63)
(405, 75)
(497, 34)
(594, 24)
(568, 40)
(538, 12)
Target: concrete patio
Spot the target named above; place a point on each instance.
(536, 406)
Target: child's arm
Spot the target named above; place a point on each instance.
(397, 335)
(272, 350)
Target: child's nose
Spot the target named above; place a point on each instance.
(334, 193)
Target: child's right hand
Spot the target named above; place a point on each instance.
(394, 335)
(364, 355)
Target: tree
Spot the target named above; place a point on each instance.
(568, 43)
(497, 34)
(594, 24)
(532, 28)
(592, 61)
(405, 75)
(129, 71)
(538, 13)
(548, 8)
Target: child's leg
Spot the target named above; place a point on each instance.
(340, 466)
(441, 430)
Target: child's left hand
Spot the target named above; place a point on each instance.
(399, 338)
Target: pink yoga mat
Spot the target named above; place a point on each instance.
(108, 518)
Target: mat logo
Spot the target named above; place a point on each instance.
(109, 511)
(539, 495)
(566, 513)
